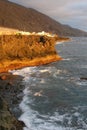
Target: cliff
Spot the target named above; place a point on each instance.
(20, 50)
(26, 19)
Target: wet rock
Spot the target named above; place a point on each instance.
(10, 97)
(7, 119)
(83, 78)
(9, 81)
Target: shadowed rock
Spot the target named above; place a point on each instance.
(7, 119)
(83, 78)
(9, 89)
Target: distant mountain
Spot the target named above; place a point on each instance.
(19, 17)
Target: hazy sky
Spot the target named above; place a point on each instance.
(71, 12)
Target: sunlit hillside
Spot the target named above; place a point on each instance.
(27, 19)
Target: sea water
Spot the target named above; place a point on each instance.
(55, 95)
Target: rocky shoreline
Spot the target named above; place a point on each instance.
(18, 51)
(10, 97)
(11, 93)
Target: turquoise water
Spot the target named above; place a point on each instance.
(55, 95)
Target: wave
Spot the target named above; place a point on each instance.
(35, 121)
(36, 80)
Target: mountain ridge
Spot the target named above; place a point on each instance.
(16, 16)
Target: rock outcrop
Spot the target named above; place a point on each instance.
(17, 50)
(10, 87)
(7, 119)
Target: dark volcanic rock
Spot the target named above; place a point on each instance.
(83, 78)
(10, 97)
(7, 119)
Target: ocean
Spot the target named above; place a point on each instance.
(55, 95)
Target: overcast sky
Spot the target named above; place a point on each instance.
(71, 12)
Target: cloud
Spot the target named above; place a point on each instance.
(66, 11)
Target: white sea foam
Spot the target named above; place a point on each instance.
(67, 59)
(60, 42)
(80, 83)
(77, 114)
(46, 70)
(25, 71)
(33, 123)
(46, 122)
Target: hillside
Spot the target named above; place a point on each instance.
(27, 19)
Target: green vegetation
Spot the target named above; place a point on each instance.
(26, 46)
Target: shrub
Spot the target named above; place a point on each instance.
(25, 46)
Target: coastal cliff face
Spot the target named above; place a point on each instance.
(23, 46)
(19, 50)
(16, 51)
